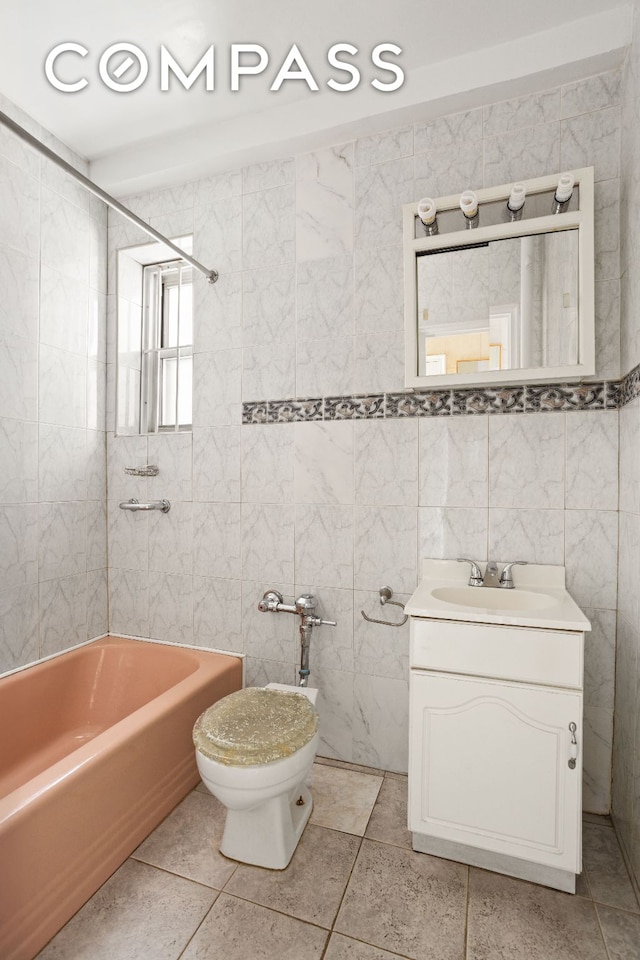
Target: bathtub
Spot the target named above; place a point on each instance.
(96, 750)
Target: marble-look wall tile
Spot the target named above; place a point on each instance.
(126, 452)
(217, 614)
(533, 535)
(378, 363)
(97, 604)
(607, 230)
(599, 658)
(171, 608)
(336, 710)
(96, 521)
(128, 602)
(324, 203)
(172, 454)
(217, 234)
(258, 673)
(217, 312)
(526, 461)
(268, 463)
(64, 311)
(591, 548)
(380, 722)
(128, 536)
(325, 298)
(628, 564)
(592, 460)
(462, 127)
(217, 538)
(19, 538)
(171, 540)
(593, 139)
(268, 372)
(595, 93)
(380, 192)
(390, 145)
(324, 456)
(324, 367)
(629, 416)
(607, 310)
(385, 551)
(19, 459)
(451, 169)
(449, 532)
(18, 378)
(217, 458)
(19, 209)
(18, 626)
(522, 154)
(380, 651)
(454, 462)
(267, 542)
(217, 390)
(219, 186)
(272, 173)
(268, 227)
(62, 387)
(62, 613)
(324, 544)
(62, 542)
(379, 293)
(268, 636)
(269, 306)
(64, 236)
(96, 460)
(386, 462)
(596, 774)
(527, 111)
(19, 306)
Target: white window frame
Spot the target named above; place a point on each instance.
(156, 278)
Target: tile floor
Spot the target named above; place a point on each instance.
(354, 891)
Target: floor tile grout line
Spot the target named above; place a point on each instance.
(466, 915)
(190, 940)
(600, 928)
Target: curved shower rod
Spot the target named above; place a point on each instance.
(211, 275)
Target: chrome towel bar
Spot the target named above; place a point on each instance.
(134, 504)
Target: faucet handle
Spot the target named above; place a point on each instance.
(475, 579)
(506, 580)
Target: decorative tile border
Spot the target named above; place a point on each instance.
(472, 401)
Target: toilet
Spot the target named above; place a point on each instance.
(254, 750)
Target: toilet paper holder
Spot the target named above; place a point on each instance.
(385, 594)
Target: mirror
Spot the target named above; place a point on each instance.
(509, 301)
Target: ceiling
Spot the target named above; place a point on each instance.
(455, 53)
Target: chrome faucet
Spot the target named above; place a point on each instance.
(304, 606)
(491, 577)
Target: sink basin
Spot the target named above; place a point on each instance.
(494, 598)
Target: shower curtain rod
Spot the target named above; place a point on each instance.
(211, 275)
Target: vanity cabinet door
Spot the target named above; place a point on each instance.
(489, 767)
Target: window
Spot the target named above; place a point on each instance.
(167, 347)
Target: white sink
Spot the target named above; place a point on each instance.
(494, 598)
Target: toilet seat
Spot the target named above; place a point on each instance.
(255, 726)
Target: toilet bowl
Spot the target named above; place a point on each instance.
(254, 750)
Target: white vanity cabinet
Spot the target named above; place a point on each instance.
(495, 746)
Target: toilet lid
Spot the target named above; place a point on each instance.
(255, 726)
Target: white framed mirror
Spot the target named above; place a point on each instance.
(504, 295)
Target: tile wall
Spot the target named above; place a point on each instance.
(53, 577)
(626, 756)
(310, 304)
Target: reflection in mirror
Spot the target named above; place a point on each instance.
(502, 305)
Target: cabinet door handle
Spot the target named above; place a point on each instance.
(573, 746)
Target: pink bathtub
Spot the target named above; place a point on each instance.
(95, 750)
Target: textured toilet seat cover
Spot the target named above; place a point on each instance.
(255, 725)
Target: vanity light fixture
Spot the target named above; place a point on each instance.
(515, 203)
(469, 207)
(428, 214)
(563, 192)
